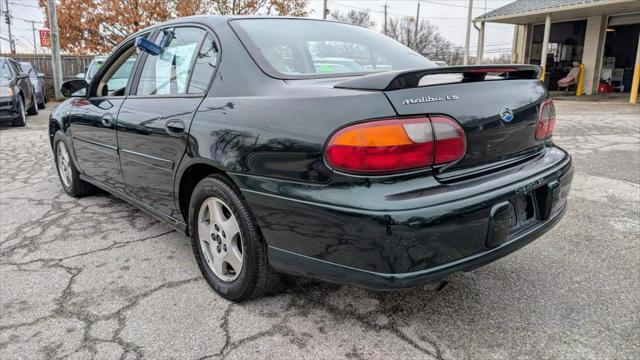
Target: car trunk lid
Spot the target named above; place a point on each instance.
(497, 108)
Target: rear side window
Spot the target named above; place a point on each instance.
(169, 73)
(204, 66)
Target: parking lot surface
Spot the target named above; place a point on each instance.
(97, 278)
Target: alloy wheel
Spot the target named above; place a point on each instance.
(64, 164)
(220, 239)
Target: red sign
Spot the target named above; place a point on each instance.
(44, 37)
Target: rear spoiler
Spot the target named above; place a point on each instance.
(395, 80)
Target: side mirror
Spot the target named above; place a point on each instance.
(80, 76)
(23, 75)
(70, 87)
(41, 75)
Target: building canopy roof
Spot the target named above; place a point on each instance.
(532, 11)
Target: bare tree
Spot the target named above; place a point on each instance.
(504, 58)
(356, 17)
(96, 26)
(428, 42)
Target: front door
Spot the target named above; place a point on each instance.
(153, 122)
(93, 121)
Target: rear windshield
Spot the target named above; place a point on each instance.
(295, 48)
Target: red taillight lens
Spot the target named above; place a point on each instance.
(395, 145)
(450, 144)
(546, 120)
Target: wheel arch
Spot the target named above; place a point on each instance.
(54, 126)
(21, 96)
(189, 176)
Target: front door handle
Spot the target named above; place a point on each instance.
(174, 127)
(107, 120)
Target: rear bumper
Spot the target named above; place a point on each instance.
(293, 263)
(401, 232)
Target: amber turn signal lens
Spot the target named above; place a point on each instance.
(388, 146)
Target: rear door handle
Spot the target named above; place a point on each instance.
(174, 127)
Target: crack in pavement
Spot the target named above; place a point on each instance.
(97, 278)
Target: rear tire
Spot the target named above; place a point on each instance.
(67, 171)
(33, 110)
(21, 120)
(215, 205)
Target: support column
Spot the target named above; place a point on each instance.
(635, 84)
(480, 52)
(545, 44)
(592, 55)
(514, 44)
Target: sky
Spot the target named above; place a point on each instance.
(448, 15)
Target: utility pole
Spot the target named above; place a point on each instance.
(415, 31)
(7, 15)
(468, 37)
(56, 61)
(324, 9)
(33, 32)
(385, 19)
(1, 28)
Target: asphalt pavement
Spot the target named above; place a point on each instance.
(97, 278)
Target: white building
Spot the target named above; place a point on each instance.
(601, 34)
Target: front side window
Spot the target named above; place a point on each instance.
(169, 73)
(16, 67)
(294, 48)
(116, 78)
(5, 71)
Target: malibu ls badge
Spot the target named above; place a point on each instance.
(427, 99)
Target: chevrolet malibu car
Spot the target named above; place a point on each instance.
(392, 174)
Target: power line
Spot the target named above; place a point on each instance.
(25, 5)
(27, 20)
(396, 14)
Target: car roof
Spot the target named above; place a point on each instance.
(216, 20)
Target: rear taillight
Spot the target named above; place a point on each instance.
(450, 144)
(387, 146)
(546, 120)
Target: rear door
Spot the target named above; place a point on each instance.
(153, 123)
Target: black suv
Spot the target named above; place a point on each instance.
(16, 94)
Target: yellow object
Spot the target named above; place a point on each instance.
(580, 81)
(634, 85)
(543, 73)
